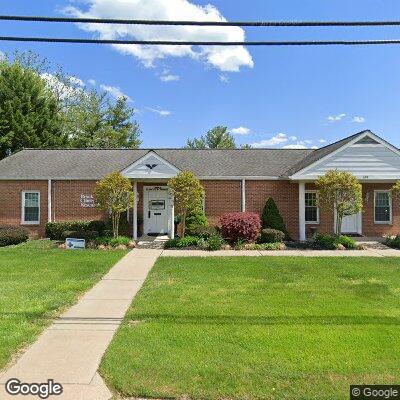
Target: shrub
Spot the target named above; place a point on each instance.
(195, 220)
(215, 243)
(118, 240)
(271, 217)
(393, 242)
(332, 242)
(266, 246)
(269, 235)
(54, 230)
(10, 235)
(187, 241)
(87, 235)
(204, 232)
(240, 226)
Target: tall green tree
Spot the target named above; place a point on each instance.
(29, 113)
(216, 138)
(95, 121)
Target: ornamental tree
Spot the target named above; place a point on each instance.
(340, 191)
(188, 195)
(114, 194)
(396, 190)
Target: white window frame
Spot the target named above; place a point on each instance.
(23, 222)
(311, 222)
(390, 205)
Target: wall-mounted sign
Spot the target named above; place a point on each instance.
(87, 201)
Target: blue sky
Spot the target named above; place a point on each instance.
(280, 96)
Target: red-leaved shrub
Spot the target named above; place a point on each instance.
(244, 226)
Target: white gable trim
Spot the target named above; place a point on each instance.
(299, 174)
(129, 171)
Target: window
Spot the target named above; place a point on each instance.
(312, 210)
(383, 207)
(30, 207)
(157, 205)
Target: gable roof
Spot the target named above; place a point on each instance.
(318, 154)
(92, 164)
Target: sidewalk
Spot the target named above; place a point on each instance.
(283, 253)
(70, 350)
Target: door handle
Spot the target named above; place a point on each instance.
(149, 214)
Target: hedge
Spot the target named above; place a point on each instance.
(10, 235)
(55, 230)
(269, 235)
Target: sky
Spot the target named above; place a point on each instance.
(267, 96)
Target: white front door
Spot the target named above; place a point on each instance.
(156, 210)
(352, 224)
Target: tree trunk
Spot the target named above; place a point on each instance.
(339, 219)
(183, 224)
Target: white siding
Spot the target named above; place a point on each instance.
(365, 161)
(160, 169)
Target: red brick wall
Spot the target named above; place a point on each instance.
(67, 203)
(10, 200)
(285, 195)
(221, 197)
(368, 225)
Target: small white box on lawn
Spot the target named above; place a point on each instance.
(72, 243)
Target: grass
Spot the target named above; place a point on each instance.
(37, 281)
(259, 328)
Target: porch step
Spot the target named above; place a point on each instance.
(152, 242)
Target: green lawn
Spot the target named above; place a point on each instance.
(259, 328)
(37, 281)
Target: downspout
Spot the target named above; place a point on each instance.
(49, 205)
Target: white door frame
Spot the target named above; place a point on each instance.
(169, 208)
(359, 223)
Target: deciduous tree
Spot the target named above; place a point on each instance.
(216, 138)
(114, 194)
(188, 194)
(339, 191)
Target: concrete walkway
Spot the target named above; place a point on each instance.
(70, 350)
(283, 253)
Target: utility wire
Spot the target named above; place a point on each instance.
(201, 43)
(197, 23)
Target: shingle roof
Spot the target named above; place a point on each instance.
(95, 164)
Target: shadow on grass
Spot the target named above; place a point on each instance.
(268, 320)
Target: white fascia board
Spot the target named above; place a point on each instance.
(299, 175)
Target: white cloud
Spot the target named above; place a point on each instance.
(161, 113)
(314, 147)
(63, 90)
(293, 138)
(308, 141)
(2, 55)
(241, 130)
(170, 78)
(359, 120)
(336, 118)
(295, 146)
(115, 91)
(277, 139)
(76, 81)
(322, 141)
(224, 78)
(223, 58)
(92, 82)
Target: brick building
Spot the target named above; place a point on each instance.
(37, 186)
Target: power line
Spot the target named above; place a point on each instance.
(197, 23)
(201, 43)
